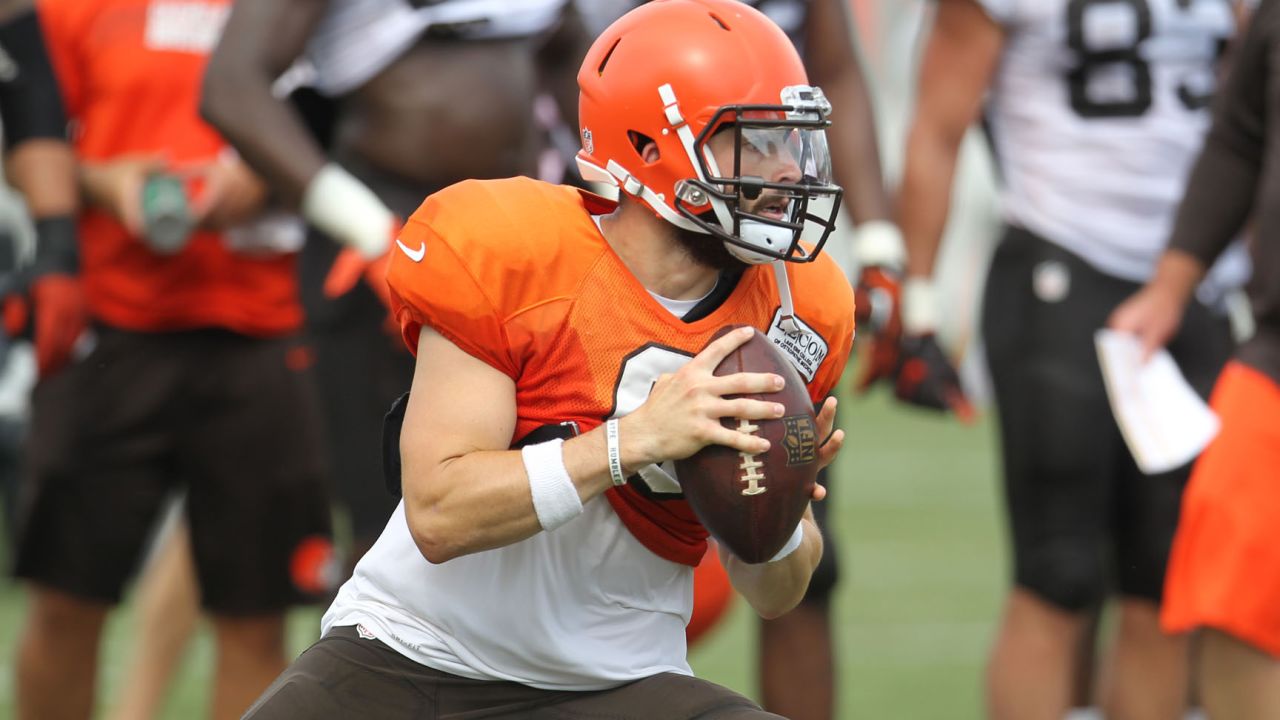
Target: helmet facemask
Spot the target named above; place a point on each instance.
(779, 193)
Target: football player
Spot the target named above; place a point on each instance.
(526, 573)
(796, 654)
(358, 96)
(1226, 555)
(426, 94)
(1096, 109)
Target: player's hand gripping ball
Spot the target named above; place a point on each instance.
(752, 503)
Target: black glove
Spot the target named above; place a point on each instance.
(924, 376)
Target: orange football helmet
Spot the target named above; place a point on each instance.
(675, 73)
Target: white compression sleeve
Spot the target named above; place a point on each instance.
(348, 211)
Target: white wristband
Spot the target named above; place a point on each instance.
(919, 306)
(792, 545)
(348, 211)
(555, 497)
(615, 452)
(879, 242)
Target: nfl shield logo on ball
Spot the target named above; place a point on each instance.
(801, 439)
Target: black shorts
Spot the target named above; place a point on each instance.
(230, 419)
(360, 367)
(345, 675)
(1084, 520)
(361, 370)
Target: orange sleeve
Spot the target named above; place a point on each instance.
(442, 292)
(58, 21)
(492, 265)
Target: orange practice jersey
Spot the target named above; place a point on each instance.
(130, 73)
(516, 273)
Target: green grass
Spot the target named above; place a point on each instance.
(921, 542)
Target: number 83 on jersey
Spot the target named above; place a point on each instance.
(1129, 55)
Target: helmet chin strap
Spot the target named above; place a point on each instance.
(765, 235)
(787, 313)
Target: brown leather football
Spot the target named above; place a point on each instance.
(752, 503)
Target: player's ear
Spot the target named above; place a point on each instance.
(645, 146)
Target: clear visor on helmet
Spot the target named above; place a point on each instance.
(796, 155)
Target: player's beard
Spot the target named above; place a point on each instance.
(707, 250)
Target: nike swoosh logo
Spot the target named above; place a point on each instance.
(414, 255)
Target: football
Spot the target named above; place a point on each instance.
(752, 503)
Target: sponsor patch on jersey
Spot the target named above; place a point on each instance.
(806, 348)
(363, 632)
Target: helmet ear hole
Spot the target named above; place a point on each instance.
(644, 146)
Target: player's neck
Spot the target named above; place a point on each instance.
(650, 249)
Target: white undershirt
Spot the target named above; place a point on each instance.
(679, 308)
(583, 607)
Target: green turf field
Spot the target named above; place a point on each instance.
(923, 565)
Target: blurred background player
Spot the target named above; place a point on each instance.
(1096, 110)
(193, 377)
(40, 164)
(427, 93)
(1224, 570)
(390, 101)
(165, 602)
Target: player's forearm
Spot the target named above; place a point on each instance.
(774, 588)
(1177, 275)
(484, 500)
(468, 504)
(855, 151)
(267, 132)
(44, 171)
(834, 66)
(925, 198)
(962, 53)
(1223, 185)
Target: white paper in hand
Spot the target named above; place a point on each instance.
(1163, 420)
